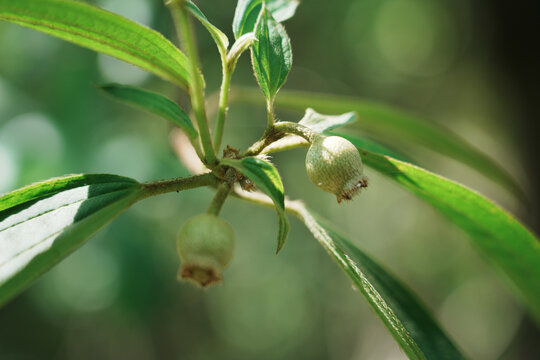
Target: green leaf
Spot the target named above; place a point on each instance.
(247, 12)
(373, 146)
(219, 37)
(392, 126)
(405, 317)
(152, 102)
(506, 242)
(282, 10)
(101, 31)
(44, 222)
(266, 177)
(271, 55)
(324, 124)
(321, 123)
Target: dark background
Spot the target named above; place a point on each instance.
(513, 29)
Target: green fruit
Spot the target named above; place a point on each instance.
(205, 244)
(334, 165)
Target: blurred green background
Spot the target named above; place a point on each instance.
(118, 298)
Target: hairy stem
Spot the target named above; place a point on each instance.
(178, 184)
(223, 191)
(222, 111)
(268, 137)
(270, 117)
(297, 129)
(278, 131)
(293, 207)
(196, 89)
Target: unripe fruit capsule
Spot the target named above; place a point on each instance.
(334, 165)
(205, 244)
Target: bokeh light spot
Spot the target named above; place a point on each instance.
(9, 169)
(126, 155)
(33, 135)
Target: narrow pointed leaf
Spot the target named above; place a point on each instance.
(373, 146)
(44, 222)
(152, 102)
(219, 37)
(405, 317)
(271, 55)
(266, 177)
(247, 13)
(101, 31)
(395, 126)
(507, 243)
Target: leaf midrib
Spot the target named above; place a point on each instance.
(63, 228)
(64, 205)
(140, 54)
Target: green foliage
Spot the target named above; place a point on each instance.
(393, 125)
(266, 177)
(222, 42)
(504, 240)
(43, 223)
(272, 55)
(402, 313)
(321, 123)
(152, 102)
(101, 31)
(248, 11)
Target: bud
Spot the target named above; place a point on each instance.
(334, 165)
(205, 244)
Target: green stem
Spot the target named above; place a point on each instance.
(185, 34)
(293, 207)
(292, 143)
(278, 131)
(222, 112)
(297, 129)
(268, 137)
(270, 118)
(223, 191)
(178, 184)
(196, 146)
(219, 199)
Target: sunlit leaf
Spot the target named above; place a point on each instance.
(271, 55)
(44, 222)
(498, 235)
(391, 126)
(324, 124)
(321, 123)
(247, 13)
(266, 177)
(365, 143)
(282, 10)
(102, 31)
(152, 102)
(405, 317)
(219, 37)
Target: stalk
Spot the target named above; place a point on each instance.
(196, 92)
(222, 110)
